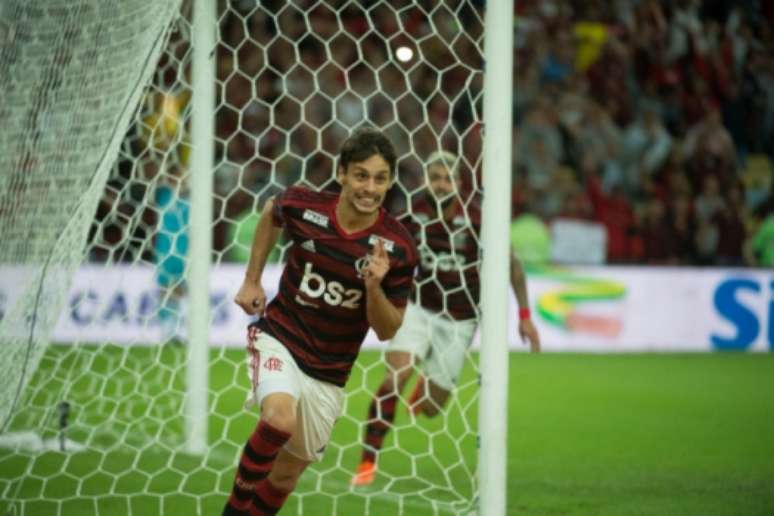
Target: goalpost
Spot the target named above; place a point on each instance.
(498, 92)
(150, 131)
(202, 164)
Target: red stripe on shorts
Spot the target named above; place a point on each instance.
(255, 355)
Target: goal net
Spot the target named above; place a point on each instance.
(95, 177)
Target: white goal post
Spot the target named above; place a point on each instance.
(202, 168)
(498, 122)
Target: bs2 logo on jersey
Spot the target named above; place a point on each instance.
(332, 292)
(732, 301)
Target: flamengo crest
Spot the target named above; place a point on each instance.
(360, 265)
(273, 364)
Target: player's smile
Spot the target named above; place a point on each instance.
(368, 202)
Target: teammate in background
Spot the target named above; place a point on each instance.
(442, 316)
(350, 267)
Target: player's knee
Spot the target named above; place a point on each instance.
(281, 420)
(403, 376)
(398, 381)
(280, 417)
(389, 386)
(433, 405)
(400, 364)
(394, 382)
(284, 480)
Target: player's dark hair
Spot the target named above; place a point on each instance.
(364, 143)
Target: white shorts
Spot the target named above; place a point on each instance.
(439, 342)
(318, 404)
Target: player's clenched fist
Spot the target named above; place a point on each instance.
(251, 298)
(378, 265)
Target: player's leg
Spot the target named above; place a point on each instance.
(381, 412)
(409, 343)
(434, 400)
(449, 344)
(275, 387)
(272, 492)
(318, 408)
(418, 395)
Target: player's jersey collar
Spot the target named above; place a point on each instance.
(357, 234)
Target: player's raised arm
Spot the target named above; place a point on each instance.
(527, 329)
(251, 296)
(384, 317)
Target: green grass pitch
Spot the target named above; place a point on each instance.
(589, 435)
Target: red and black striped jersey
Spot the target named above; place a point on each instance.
(319, 313)
(448, 277)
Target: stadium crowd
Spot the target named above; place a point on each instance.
(653, 120)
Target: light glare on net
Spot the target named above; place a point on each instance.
(404, 54)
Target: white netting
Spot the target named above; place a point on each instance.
(292, 80)
(70, 76)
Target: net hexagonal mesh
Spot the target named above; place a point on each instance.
(93, 401)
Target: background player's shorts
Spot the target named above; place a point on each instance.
(272, 369)
(438, 341)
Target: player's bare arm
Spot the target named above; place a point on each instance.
(527, 329)
(384, 317)
(251, 297)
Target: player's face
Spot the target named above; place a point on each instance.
(441, 183)
(364, 184)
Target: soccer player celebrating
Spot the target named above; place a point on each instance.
(441, 319)
(349, 268)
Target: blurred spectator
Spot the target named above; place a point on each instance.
(531, 239)
(646, 147)
(595, 137)
(682, 229)
(655, 232)
(763, 242)
(709, 202)
(684, 26)
(614, 211)
(729, 221)
(758, 180)
(539, 145)
(576, 204)
(709, 150)
(766, 78)
(558, 64)
(611, 80)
